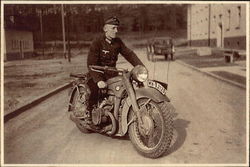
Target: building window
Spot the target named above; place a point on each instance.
(228, 19)
(15, 44)
(12, 44)
(239, 17)
(18, 44)
(25, 44)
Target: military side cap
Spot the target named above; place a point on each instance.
(112, 21)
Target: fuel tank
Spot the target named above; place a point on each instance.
(115, 86)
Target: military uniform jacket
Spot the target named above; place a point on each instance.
(105, 53)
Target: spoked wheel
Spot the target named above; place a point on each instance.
(81, 125)
(153, 137)
(76, 106)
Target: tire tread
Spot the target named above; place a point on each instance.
(167, 110)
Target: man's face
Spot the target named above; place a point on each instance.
(110, 30)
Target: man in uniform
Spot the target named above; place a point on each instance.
(104, 52)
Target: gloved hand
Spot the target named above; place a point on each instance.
(101, 84)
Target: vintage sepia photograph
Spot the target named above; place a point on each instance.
(124, 83)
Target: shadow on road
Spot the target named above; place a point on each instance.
(126, 137)
(180, 135)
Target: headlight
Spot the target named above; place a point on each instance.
(140, 73)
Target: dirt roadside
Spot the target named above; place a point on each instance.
(217, 65)
(25, 80)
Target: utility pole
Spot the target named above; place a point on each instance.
(63, 32)
(68, 32)
(190, 24)
(209, 23)
(41, 28)
(55, 12)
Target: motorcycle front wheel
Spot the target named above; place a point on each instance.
(153, 138)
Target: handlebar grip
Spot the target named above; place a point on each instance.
(72, 75)
(98, 67)
(78, 75)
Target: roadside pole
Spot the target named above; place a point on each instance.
(68, 32)
(190, 24)
(209, 24)
(41, 28)
(63, 32)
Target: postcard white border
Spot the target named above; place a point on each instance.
(126, 2)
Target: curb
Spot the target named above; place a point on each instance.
(23, 107)
(212, 75)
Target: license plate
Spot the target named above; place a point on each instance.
(157, 86)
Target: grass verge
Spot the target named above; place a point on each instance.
(204, 61)
(27, 79)
(231, 76)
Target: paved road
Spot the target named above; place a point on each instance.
(210, 127)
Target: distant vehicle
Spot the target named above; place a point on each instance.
(160, 46)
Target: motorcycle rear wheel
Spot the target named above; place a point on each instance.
(158, 141)
(77, 105)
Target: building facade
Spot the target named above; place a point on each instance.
(217, 25)
(18, 44)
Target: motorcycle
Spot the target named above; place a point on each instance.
(131, 104)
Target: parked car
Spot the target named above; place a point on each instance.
(160, 46)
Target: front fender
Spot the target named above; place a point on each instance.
(151, 93)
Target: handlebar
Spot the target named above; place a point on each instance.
(79, 75)
(98, 69)
(107, 68)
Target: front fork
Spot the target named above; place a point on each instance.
(131, 95)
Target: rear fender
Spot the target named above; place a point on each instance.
(150, 93)
(72, 92)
